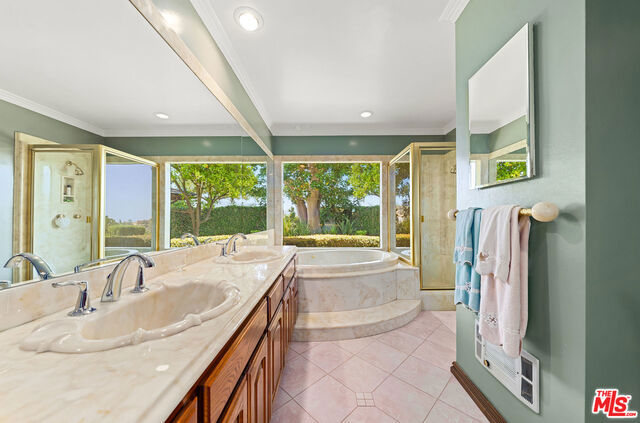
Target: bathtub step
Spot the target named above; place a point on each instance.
(336, 325)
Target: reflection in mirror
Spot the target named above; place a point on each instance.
(400, 205)
(80, 88)
(130, 215)
(500, 116)
(217, 196)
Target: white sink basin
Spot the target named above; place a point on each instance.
(166, 309)
(248, 255)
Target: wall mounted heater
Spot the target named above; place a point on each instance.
(519, 375)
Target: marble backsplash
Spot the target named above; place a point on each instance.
(30, 301)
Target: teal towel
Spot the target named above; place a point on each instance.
(467, 279)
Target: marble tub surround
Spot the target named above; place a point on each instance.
(351, 293)
(157, 374)
(437, 300)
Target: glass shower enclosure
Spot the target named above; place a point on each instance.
(422, 188)
(89, 202)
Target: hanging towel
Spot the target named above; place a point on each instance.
(467, 279)
(503, 310)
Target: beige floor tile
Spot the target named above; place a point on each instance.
(382, 356)
(443, 336)
(368, 415)
(354, 345)
(299, 374)
(427, 377)
(358, 375)
(400, 340)
(290, 413)
(281, 399)
(448, 318)
(402, 401)
(443, 413)
(455, 396)
(422, 326)
(435, 354)
(327, 356)
(327, 401)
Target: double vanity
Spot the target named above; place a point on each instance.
(204, 342)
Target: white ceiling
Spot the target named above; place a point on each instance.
(100, 66)
(314, 66)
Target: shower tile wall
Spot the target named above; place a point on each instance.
(437, 196)
(66, 246)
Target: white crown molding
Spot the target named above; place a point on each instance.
(49, 112)
(285, 129)
(180, 131)
(449, 126)
(207, 13)
(453, 10)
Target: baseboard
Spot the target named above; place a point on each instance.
(476, 395)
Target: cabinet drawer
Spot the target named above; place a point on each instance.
(219, 385)
(275, 295)
(288, 273)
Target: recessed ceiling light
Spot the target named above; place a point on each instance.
(162, 116)
(248, 18)
(366, 114)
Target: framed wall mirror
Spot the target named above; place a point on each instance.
(81, 182)
(501, 111)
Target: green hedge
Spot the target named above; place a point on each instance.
(126, 230)
(403, 240)
(325, 240)
(127, 241)
(177, 242)
(367, 218)
(224, 220)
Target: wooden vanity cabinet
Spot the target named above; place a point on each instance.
(242, 381)
(238, 411)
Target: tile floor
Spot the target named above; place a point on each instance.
(399, 376)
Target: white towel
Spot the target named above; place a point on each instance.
(503, 308)
(494, 248)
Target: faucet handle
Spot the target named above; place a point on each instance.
(139, 286)
(83, 303)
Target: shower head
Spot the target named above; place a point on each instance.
(78, 170)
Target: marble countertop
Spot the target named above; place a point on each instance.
(137, 383)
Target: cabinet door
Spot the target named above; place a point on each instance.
(286, 316)
(259, 386)
(188, 414)
(275, 337)
(238, 411)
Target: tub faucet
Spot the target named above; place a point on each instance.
(192, 236)
(231, 242)
(41, 266)
(5, 284)
(113, 287)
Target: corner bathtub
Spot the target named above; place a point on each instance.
(345, 279)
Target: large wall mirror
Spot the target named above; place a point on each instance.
(91, 112)
(501, 130)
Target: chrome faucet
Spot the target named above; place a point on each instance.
(231, 242)
(83, 303)
(5, 284)
(192, 236)
(113, 287)
(41, 266)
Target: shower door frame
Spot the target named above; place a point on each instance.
(27, 146)
(414, 150)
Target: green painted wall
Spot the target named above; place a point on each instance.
(508, 134)
(347, 145)
(195, 34)
(556, 332)
(613, 199)
(186, 146)
(16, 119)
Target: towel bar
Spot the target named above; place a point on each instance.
(542, 212)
